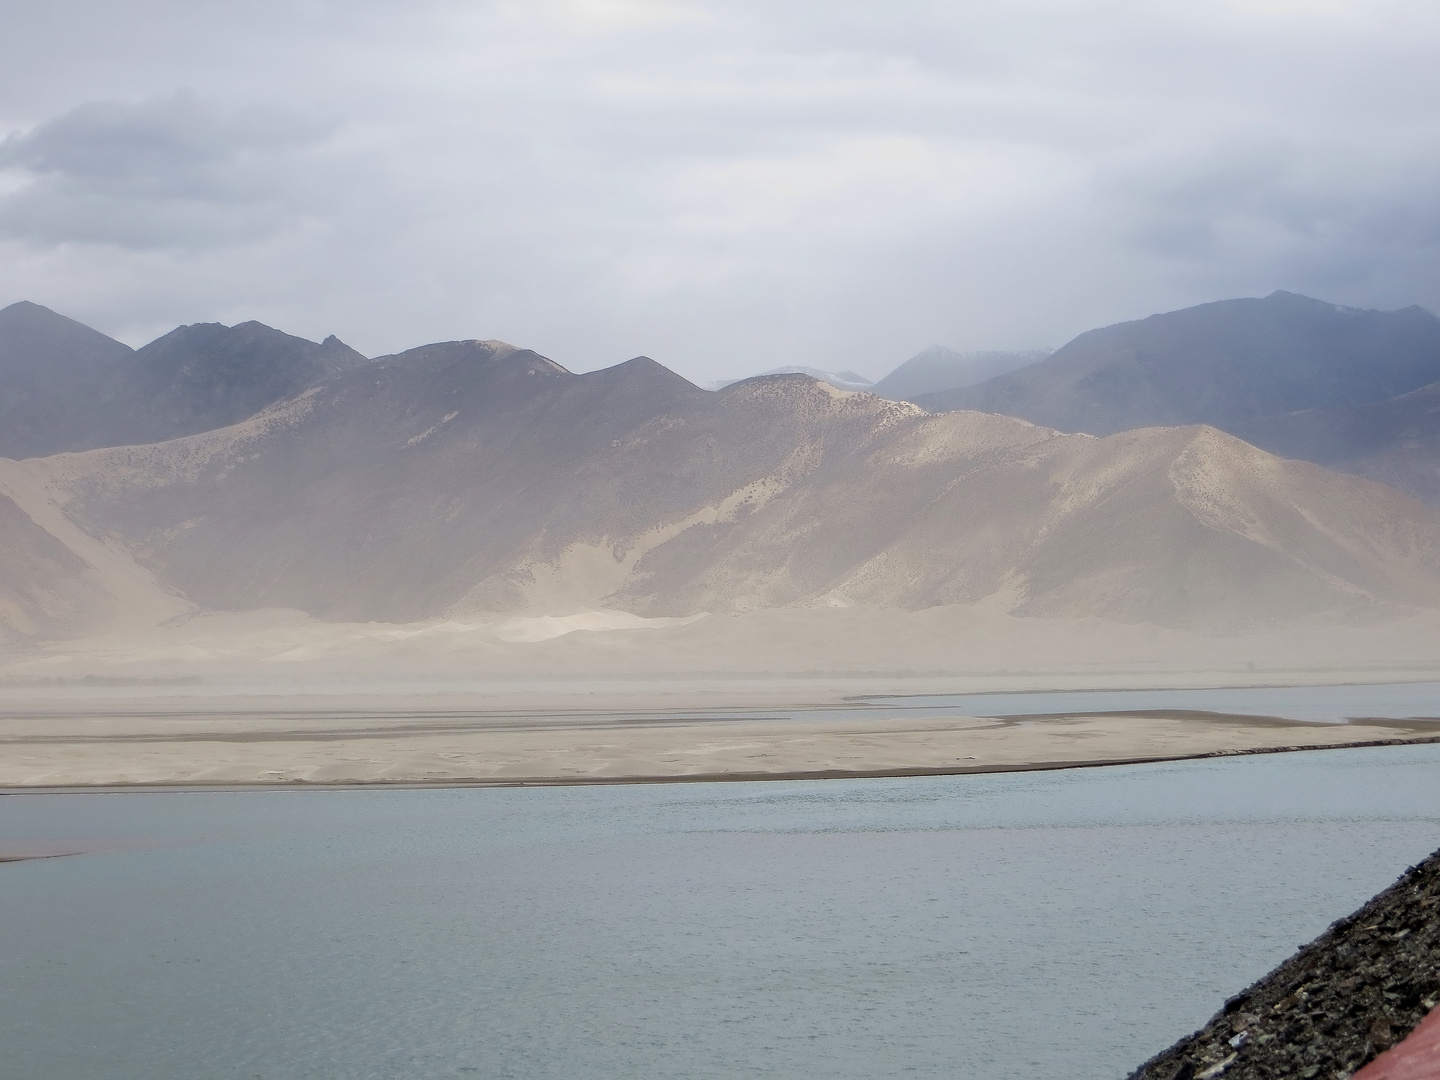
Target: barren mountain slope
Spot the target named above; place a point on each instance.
(56, 377)
(207, 375)
(397, 490)
(1225, 364)
(1396, 442)
(841, 380)
(66, 387)
(938, 368)
(44, 590)
(1178, 526)
(58, 581)
(472, 476)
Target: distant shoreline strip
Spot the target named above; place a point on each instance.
(190, 786)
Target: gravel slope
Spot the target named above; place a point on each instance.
(1346, 997)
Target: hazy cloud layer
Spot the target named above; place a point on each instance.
(727, 187)
(168, 172)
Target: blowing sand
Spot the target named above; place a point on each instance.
(225, 742)
(277, 697)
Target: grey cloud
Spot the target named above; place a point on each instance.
(1184, 207)
(168, 172)
(726, 186)
(1354, 218)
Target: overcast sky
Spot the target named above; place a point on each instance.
(726, 187)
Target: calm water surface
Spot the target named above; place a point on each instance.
(1060, 924)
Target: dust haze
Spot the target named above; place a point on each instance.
(467, 528)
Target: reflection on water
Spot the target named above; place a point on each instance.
(1062, 924)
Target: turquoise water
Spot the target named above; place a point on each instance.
(1059, 924)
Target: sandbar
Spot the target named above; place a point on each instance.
(228, 743)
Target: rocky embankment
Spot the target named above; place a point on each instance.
(1358, 989)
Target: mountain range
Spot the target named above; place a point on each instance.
(841, 380)
(1395, 441)
(929, 371)
(64, 386)
(473, 477)
(937, 368)
(1349, 388)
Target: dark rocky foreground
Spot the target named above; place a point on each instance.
(1360, 987)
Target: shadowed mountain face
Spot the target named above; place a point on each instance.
(58, 379)
(939, 368)
(45, 587)
(1227, 364)
(471, 477)
(1396, 442)
(66, 387)
(201, 377)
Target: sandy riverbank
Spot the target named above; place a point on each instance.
(277, 697)
(85, 743)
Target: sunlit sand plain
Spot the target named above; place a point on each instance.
(236, 746)
(261, 699)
